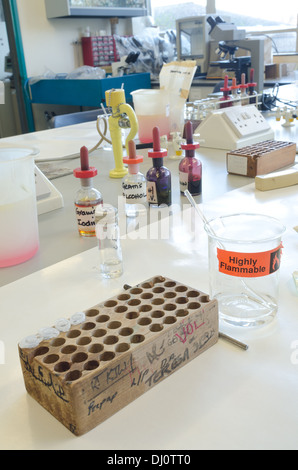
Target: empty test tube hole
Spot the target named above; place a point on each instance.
(122, 347)
(181, 300)
(92, 312)
(73, 375)
(180, 288)
(91, 365)
(79, 357)
(111, 303)
(132, 315)
(136, 291)
(182, 313)
(121, 309)
(57, 342)
(73, 333)
(147, 295)
(41, 351)
(95, 348)
(111, 340)
(170, 295)
(84, 340)
(69, 349)
(170, 284)
(147, 285)
(107, 356)
(51, 359)
(113, 325)
(193, 293)
(88, 326)
(99, 333)
(123, 297)
(158, 301)
(158, 290)
(102, 318)
(144, 321)
(126, 331)
(137, 339)
(157, 314)
(62, 367)
(134, 302)
(194, 305)
(204, 298)
(169, 320)
(145, 308)
(156, 327)
(169, 307)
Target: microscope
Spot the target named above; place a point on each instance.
(230, 39)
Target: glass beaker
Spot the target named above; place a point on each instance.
(19, 239)
(152, 109)
(244, 260)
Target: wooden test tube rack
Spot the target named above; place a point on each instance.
(124, 347)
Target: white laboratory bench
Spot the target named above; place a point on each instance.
(226, 398)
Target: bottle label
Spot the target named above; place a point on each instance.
(249, 264)
(85, 218)
(152, 192)
(183, 181)
(134, 193)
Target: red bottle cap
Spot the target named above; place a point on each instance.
(85, 171)
(133, 158)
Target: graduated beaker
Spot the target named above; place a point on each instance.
(19, 239)
(244, 261)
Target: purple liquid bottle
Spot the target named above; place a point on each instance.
(190, 167)
(158, 177)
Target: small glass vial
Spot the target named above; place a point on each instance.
(87, 197)
(134, 184)
(159, 192)
(108, 235)
(190, 167)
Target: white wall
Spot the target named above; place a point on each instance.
(48, 43)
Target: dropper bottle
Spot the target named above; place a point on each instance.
(190, 167)
(226, 98)
(87, 197)
(253, 95)
(134, 184)
(243, 87)
(159, 190)
(234, 91)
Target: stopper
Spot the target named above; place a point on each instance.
(85, 171)
(157, 152)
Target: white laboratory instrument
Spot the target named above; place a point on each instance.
(234, 127)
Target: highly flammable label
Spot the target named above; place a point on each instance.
(249, 264)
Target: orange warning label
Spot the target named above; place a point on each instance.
(249, 264)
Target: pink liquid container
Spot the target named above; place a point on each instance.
(152, 109)
(19, 238)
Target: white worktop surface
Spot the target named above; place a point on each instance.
(226, 398)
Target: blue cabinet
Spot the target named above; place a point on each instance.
(89, 93)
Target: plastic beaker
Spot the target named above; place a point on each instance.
(244, 260)
(19, 239)
(152, 110)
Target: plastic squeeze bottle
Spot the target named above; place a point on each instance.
(87, 197)
(190, 167)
